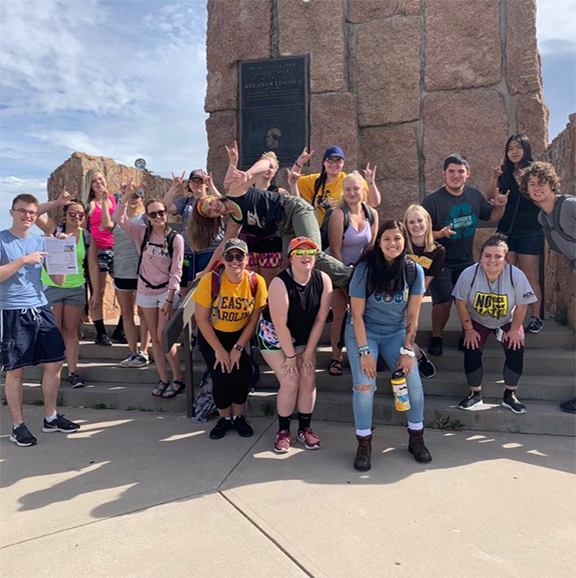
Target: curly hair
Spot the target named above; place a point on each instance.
(544, 172)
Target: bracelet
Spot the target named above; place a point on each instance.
(291, 356)
(370, 184)
(471, 329)
(169, 301)
(364, 350)
(297, 165)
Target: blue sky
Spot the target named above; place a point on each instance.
(127, 78)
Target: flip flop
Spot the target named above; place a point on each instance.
(335, 367)
(171, 391)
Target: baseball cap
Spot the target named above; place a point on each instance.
(139, 192)
(235, 243)
(333, 152)
(197, 174)
(301, 242)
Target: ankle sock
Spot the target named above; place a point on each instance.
(363, 432)
(284, 422)
(304, 420)
(415, 426)
(51, 419)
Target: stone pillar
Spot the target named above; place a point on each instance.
(397, 83)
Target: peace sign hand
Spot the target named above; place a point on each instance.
(370, 174)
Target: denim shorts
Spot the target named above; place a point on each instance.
(70, 296)
(29, 337)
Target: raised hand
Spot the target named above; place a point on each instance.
(447, 231)
(65, 197)
(292, 176)
(500, 199)
(232, 154)
(178, 180)
(497, 170)
(370, 174)
(304, 157)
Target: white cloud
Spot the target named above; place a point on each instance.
(12, 186)
(555, 25)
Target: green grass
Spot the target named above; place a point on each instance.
(446, 424)
(561, 316)
(268, 408)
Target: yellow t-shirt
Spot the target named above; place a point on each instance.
(234, 304)
(332, 196)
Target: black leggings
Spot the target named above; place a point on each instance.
(227, 388)
(513, 365)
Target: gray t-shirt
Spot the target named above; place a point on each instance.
(567, 219)
(126, 254)
(493, 304)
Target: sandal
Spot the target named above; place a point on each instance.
(172, 391)
(335, 367)
(160, 388)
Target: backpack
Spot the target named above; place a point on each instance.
(556, 227)
(216, 283)
(145, 241)
(368, 212)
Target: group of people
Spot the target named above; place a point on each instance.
(267, 265)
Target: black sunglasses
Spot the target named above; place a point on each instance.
(155, 214)
(229, 257)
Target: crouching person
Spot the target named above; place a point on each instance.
(28, 330)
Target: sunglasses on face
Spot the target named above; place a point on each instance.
(24, 212)
(302, 252)
(155, 214)
(75, 214)
(229, 257)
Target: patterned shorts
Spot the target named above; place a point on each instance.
(265, 260)
(106, 260)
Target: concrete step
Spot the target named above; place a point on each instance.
(440, 412)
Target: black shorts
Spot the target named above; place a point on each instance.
(442, 285)
(125, 284)
(29, 337)
(526, 243)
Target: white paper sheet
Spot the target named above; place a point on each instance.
(61, 258)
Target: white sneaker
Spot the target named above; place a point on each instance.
(140, 359)
(126, 362)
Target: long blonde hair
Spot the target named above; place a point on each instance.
(429, 237)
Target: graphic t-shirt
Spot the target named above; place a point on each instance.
(234, 301)
(22, 290)
(462, 212)
(431, 261)
(261, 209)
(384, 314)
(492, 304)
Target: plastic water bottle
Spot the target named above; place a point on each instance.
(401, 399)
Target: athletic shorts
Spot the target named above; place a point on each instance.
(29, 337)
(125, 284)
(529, 243)
(106, 260)
(442, 285)
(69, 296)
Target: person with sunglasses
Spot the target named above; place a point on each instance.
(324, 190)
(289, 330)
(158, 283)
(228, 304)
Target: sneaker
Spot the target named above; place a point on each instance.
(535, 325)
(74, 380)
(242, 427)
(219, 430)
(126, 362)
(22, 437)
(568, 406)
(103, 339)
(435, 346)
(283, 442)
(118, 336)
(140, 360)
(310, 440)
(60, 424)
(474, 399)
(511, 402)
(425, 366)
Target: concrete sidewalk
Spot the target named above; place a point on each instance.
(136, 494)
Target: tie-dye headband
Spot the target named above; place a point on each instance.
(202, 206)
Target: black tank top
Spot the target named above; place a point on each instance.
(260, 209)
(304, 305)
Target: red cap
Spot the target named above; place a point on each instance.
(301, 242)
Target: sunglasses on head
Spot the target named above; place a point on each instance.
(302, 252)
(229, 257)
(154, 214)
(78, 214)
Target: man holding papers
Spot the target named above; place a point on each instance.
(28, 332)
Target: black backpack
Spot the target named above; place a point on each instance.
(145, 241)
(325, 223)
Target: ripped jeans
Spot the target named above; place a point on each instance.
(388, 346)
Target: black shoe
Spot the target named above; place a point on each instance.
(74, 380)
(60, 424)
(535, 325)
(416, 446)
(569, 406)
(511, 402)
(22, 437)
(435, 346)
(242, 427)
(425, 366)
(103, 339)
(220, 429)
(363, 461)
(474, 399)
(119, 336)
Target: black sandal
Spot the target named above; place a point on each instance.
(160, 388)
(335, 367)
(171, 391)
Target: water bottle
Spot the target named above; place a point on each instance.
(401, 399)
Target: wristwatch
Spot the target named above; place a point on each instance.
(409, 352)
(238, 347)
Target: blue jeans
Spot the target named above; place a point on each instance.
(388, 346)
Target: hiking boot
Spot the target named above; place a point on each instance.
(103, 339)
(435, 346)
(569, 406)
(474, 399)
(511, 402)
(118, 336)
(60, 424)
(535, 325)
(74, 380)
(310, 440)
(126, 362)
(363, 453)
(425, 366)
(283, 441)
(139, 360)
(416, 446)
(22, 437)
(242, 427)
(219, 430)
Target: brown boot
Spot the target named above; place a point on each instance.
(416, 446)
(363, 453)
